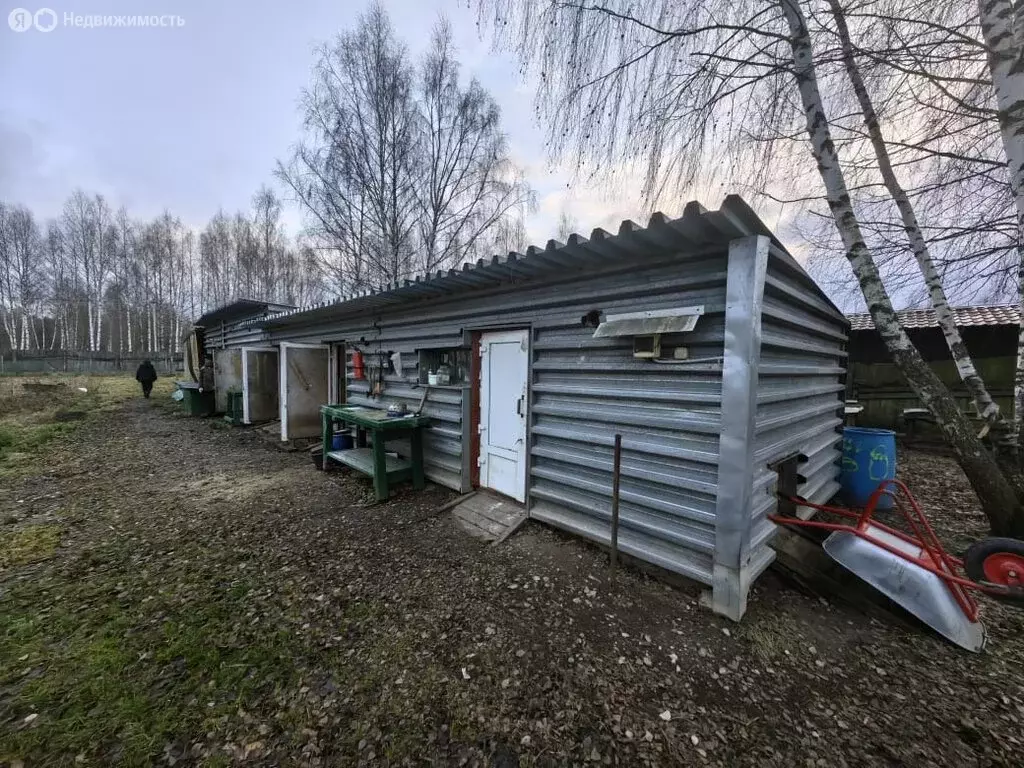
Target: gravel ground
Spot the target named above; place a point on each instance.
(215, 600)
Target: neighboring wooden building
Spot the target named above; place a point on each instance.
(990, 334)
(699, 339)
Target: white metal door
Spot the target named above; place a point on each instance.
(504, 364)
(303, 388)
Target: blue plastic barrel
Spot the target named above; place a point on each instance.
(869, 457)
(341, 441)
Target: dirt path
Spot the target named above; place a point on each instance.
(216, 600)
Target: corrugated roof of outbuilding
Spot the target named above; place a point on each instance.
(240, 309)
(697, 229)
(925, 318)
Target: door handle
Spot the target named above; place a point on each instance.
(519, 407)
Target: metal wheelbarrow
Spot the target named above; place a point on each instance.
(913, 569)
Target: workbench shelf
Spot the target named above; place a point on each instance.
(374, 461)
(361, 459)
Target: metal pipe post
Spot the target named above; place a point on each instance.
(616, 467)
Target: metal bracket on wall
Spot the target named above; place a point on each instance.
(789, 481)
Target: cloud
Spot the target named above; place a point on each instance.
(39, 170)
(21, 162)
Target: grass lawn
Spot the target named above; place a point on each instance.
(174, 594)
(86, 661)
(36, 410)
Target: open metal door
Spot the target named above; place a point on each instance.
(337, 388)
(260, 384)
(227, 375)
(304, 387)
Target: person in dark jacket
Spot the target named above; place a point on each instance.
(207, 387)
(146, 375)
(206, 378)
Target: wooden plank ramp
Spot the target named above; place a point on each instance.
(488, 516)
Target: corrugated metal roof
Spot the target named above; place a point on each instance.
(697, 229)
(240, 309)
(925, 318)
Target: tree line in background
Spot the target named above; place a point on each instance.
(402, 169)
(97, 280)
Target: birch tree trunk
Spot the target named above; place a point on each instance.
(1002, 26)
(89, 314)
(983, 402)
(11, 331)
(35, 333)
(99, 325)
(997, 496)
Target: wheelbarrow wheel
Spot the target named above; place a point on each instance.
(997, 564)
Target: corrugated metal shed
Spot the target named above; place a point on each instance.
(764, 378)
(925, 318)
(241, 309)
(233, 324)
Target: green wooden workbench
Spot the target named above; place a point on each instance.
(374, 461)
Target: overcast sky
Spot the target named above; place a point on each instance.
(193, 118)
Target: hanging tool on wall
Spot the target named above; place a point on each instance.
(423, 400)
(375, 374)
(377, 387)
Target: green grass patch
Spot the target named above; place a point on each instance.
(29, 438)
(116, 672)
(30, 544)
(38, 411)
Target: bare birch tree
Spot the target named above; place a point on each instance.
(267, 225)
(21, 279)
(8, 305)
(1002, 24)
(99, 282)
(469, 183)
(354, 172)
(983, 402)
(399, 172)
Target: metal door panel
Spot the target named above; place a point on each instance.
(503, 406)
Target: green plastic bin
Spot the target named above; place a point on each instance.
(234, 413)
(196, 403)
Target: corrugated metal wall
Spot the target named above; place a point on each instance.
(801, 386)
(405, 333)
(237, 334)
(583, 391)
